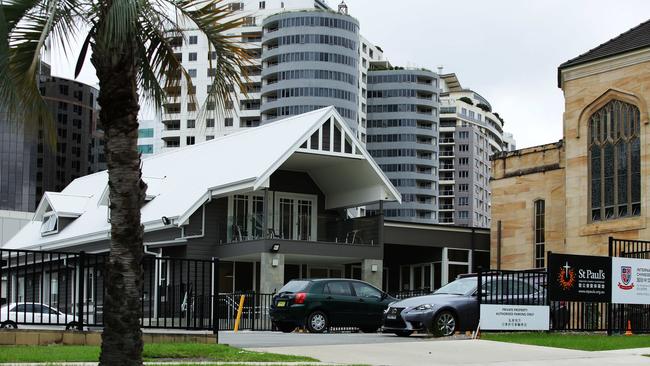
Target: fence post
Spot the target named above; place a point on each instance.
(479, 293)
(80, 290)
(215, 296)
(254, 303)
(609, 303)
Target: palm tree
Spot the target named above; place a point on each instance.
(132, 44)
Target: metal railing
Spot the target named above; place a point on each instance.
(68, 289)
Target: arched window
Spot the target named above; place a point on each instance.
(540, 233)
(615, 161)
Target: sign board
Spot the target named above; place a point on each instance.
(630, 281)
(579, 278)
(514, 317)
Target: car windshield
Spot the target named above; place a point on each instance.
(294, 286)
(462, 286)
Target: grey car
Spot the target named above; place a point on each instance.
(455, 307)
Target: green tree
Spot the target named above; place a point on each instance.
(132, 44)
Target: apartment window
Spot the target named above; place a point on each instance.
(194, 39)
(190, 140)
(209, 137)
(63, 89)
(463, 147)
(463, 201)
(63, 106)
(463, 174)
(209, 123)
(192, 56)
(191, 123)
(262, 4)
(228, 122)
(463, 134)
(540, 237)
(463, 161)
(463, 187)
(192, 72)
(615, 161)
(145, 132)
(191, 107)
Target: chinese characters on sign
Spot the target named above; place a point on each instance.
(514, 317)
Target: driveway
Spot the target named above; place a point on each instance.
(247, 339)
(386, 350)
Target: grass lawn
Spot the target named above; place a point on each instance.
(152, 352)
(584, 342)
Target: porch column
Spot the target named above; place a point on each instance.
(271, 272)
(372, 271)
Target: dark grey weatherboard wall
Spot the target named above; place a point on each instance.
(403, 139)
(310, 60)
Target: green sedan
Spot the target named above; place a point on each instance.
(323, 303)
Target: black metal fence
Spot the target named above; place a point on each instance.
(68, 289)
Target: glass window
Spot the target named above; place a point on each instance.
(540, 237)
(192, 56)
(339, 288)
(614, 161)
(363, 290)
(194, 39)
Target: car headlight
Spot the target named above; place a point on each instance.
(424, 307)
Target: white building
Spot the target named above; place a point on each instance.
(150, 136)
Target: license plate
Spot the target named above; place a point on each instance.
(282, 304)
(392, 317)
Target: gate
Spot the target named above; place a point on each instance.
(637, 315)
(68, 289)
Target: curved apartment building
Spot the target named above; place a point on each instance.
(310, 59)
(403, 138)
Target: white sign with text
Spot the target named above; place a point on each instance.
(630, 281)
(514, 317)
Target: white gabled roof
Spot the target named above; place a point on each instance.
(182, 180)
(64, 205)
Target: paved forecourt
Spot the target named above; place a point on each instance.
(418, 351)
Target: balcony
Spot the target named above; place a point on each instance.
(446, 193)
(362, 231)
(447, 141)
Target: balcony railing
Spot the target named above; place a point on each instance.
(328, 229)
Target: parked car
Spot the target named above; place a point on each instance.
(27, 313)
(319, 304)
(455, 307)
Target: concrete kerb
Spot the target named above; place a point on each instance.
(42, 337)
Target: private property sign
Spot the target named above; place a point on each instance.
(599, 279)
(630, 281)
(514, 317)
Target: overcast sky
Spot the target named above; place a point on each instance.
(506, 50)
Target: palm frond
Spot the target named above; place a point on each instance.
(27, 28)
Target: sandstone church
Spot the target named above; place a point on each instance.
(570, 196)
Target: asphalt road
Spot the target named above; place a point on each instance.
(247, 339)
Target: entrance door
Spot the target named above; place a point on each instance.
(296, 217)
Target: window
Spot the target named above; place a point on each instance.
(191, 123)
(463, 174)
(262, 4)
(540, 237)
(192, 73)
(615, 161)
(228, 122)
(190, 140)
(192, 56)
(463, 147)
(363, 290)
(338, 288)
(145, 149)
(194, 39)
(50, 224)
(209, 123)
(145, 132)
(209, 137)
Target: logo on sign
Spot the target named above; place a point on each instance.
(567, 277)
(626, 278)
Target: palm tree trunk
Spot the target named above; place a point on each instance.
(118, 98)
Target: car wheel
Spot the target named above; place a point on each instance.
(317, 322)
(403, 333)
(444, 324)
(285, 328)
(369, 329)
(9, 325)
